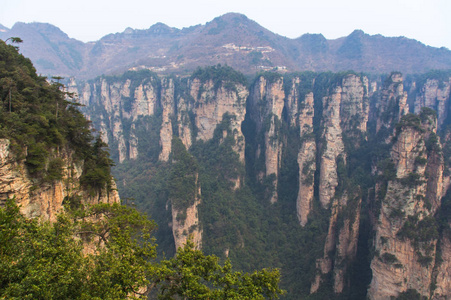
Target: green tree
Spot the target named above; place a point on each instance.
(39, 260)
(194, 275)
(106, 252)
(39, 120)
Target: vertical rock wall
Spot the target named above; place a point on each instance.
(345, 115)
(406, 238)
(167, 105)
(185, 224)
(434, 94)
(342, 123)
(332, 144)
(392, 103)
(213, 103)
(267, 103)
(306, 160)
(45, 200)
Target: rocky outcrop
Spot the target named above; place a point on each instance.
(267, 102)
(442, 279)
(45, 200)
(167, 105)
(333, 146)
(213, 104)
(406, 233)
(392, 103)
(434, 94)
(306, 160)
(185, 224)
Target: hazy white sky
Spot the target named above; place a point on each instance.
(428, 21)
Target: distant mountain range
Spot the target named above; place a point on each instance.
(231, 39)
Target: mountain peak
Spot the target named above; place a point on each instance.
(233, 16)
(161, 28)
(231, 19)
(358, 33)
(43, 28)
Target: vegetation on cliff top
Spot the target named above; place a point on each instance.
(40, 122)
(220, 76)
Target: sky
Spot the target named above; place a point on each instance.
(428, 21)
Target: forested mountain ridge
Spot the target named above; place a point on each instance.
(231, 39)
(48, 154)
(339, 179)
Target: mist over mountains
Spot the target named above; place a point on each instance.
(231, 39)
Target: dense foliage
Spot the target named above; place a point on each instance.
(41, 260)
(183, 178)
(220, 76)
(40, 122)
(106, 252)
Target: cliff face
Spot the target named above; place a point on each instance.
(443, 274)
(185, 223)
(267, 103)
(167, 104)
(115, 101)
(434, 94)
(356, 154)
(306, 160)
(45, 200)
(212, 104)
(138, 115)
(392, 103)
(345, 112)
(406, 235)
(333, 146)
(119, 105)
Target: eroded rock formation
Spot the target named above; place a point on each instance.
(333, 119)
(267, 103)
(45, 200)
(185, 224)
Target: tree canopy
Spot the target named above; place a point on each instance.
(106, 251)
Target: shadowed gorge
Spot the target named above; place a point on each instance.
(338, 179)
